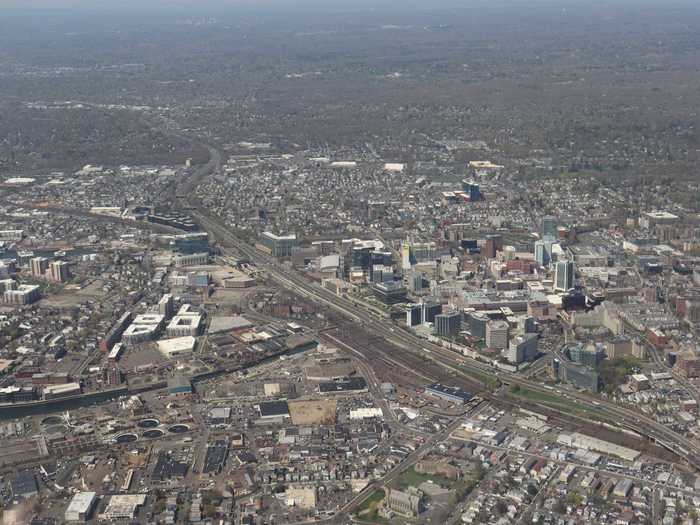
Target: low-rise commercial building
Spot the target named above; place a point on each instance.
(177, 347)
(194, 259)
(63, 390)
(123, 506)
(80, 507)
(448, 393)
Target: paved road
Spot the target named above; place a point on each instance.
(291, 280)
(632, 420)
(394, 473)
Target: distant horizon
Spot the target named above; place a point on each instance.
(227, 5)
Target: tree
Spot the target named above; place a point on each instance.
(461, 491)
(159, 506)
(493, 383)
(574, 498)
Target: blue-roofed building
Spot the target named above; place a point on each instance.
(452, 394)
(179, 386)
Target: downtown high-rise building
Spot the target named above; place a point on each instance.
(543, 252)
(564, 275)
(548, 228)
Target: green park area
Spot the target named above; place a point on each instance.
(411, 478)
(368, 510)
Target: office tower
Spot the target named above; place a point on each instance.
(477, 324)
(564, 275)
(415, 282)
(448, 325)
(430, 310)
(278, 245)
(381, 273)
(527, 325)
(522, 348)
(543, 252)
(382, 261)
(414, 314)
(189, 243)
(548, 227)
(166, 306)
(472, 190)
(360, 256)
(417, 252)
(406, 262)
(381, 257)
(497, 334)
(492, 244)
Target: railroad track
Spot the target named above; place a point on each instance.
(408, 345)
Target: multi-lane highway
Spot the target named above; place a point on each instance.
(409, 345)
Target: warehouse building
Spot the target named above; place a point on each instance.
(452, 394)
(584, 442)
(24, 485)
(63, 390)
(81, 506)
(123, 506)
(177, 347)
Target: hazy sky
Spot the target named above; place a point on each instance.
(204, 4)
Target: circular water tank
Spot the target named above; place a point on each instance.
(127, 438)
(56, 429)
(153, 433)
(179, 428)
(52, 420)
(148, 423)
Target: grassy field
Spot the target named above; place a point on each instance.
(367, 510)
(552, 400)
(411, 478)
(479, 376)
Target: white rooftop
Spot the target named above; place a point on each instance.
(177, 345)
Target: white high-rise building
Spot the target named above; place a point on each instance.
(497, 334)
